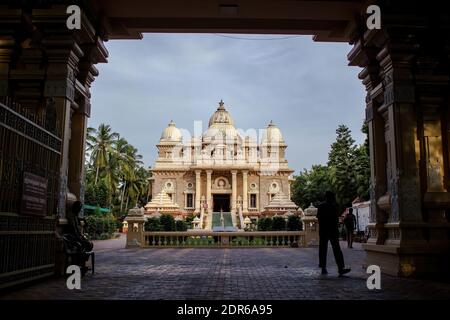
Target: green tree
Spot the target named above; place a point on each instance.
(97, 195)
(310, 186)
(341, 162)
(116, 164)
(100, 145)
(362, 166)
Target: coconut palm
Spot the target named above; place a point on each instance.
(117, 164)
(100, 146)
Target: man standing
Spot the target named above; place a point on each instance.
(328, 217)
(350, 226)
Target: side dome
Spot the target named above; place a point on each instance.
(272, 135)
(171, 133)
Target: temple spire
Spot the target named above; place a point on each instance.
(221, 105)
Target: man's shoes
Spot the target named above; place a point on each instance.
(324, 271)
(344, 271)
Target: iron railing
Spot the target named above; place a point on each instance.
(27, 243)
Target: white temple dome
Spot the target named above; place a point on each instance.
(221, 116)
(272, 134)
(221, 125)
(171, 133)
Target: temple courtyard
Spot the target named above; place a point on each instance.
(237, 273)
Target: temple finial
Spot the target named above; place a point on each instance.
(221, 105)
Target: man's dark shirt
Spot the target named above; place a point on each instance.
(328, 217)
(350, 221)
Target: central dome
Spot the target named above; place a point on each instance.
(221, 125)
(221, 116)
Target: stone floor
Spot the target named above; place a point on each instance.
(272, 273)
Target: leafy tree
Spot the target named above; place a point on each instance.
(100, 146)
(362, 172)
(115, 164)
(362, 166)
(97, 195)
(341, 162)
(310, 186)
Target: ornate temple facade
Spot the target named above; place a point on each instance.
(222, 176)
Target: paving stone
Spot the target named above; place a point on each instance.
(237, 273)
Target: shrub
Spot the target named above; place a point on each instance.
(294, 223)
(278, 224)
(167, 222)
(152, 224)
(265, 224)
(181, 225)
(97, 195)
(100, 227)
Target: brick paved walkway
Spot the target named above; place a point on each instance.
(227, 274)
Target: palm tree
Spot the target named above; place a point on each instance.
(115, 163)
(100, 146)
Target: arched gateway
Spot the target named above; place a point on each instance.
(46, 71)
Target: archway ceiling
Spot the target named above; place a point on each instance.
(324, 20)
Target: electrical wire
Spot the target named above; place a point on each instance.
(263, 39)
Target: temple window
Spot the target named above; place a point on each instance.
(253, 200)
(189, 200)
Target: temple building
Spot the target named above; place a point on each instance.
(221, 176)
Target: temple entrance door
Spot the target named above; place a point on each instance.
(221, 202)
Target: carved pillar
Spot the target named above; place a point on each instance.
(197, 190)
(364, 54)
(244, 191)
(208, 190)
(407, 82)
(92, 53)
(63, 57)
(77, 149)
(233, 190)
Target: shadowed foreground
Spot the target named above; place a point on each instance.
(270, 273)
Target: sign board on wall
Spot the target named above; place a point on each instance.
(34, 195)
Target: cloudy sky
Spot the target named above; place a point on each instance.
(306, 88)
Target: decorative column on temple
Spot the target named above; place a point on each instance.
(197, 190)
(233, 190)
(208, 190)
(244, 191)
(93, 53)
(407, 111)
(364, 54)
(63, 56)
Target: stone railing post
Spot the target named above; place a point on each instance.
(311, 226)
(135, 234)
